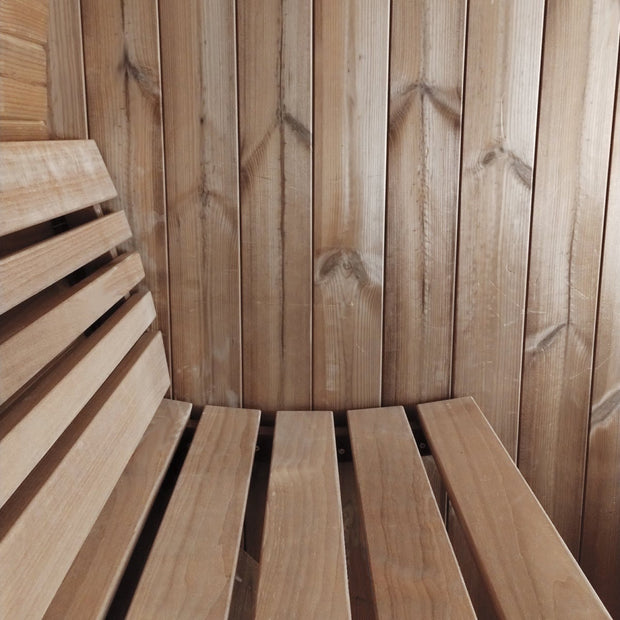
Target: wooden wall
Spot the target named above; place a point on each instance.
(343, 204)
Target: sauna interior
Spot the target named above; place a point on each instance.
(362, 203)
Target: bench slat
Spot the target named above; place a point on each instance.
(413, 567)
(191, 567)
(527, 568)
(44, 180)
(46, 521)
(25, 273)
(53, 328)
(302, 567)
(86, 592)
(40, 417)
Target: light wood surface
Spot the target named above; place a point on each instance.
(44, 524)
(25, 19)
(244, 591)
(121, 52)
(528, 569)
(29, 271)
(414, 571)
(22, 60)
(44, 180)
(66, 86)
(38, 419)
(22, 101)
(191, 567)
(11, 130)
(45, 331)
(350, 120)
(198, 74)
(600, 541)
(577, 90)
(85, 592)
(424, 133)
(303, 541)
(275, 137)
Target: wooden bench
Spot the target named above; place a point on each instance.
(86, 436)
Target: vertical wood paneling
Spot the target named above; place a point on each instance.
(67, 117)
(426, 74)
(350, 84)
(600, 543)
(123, 90)
(576, 109)
(499, 131)
(275, 124)
(199, 79)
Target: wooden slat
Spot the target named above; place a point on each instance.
(22, 60)
(414, 571)
(66, 86)
(600, 541)
(22, 101)
(22, 130)
(29, 271)
(426, 76)
(40, 417)
(528, 569)
(303, 540)
(191, 567)
(86, 592)
(26, 19)
(577, 92)
(275, 125)
(243, 600)
(44, 524)
(44, 332)
(121, 54)
(44, 180)
(350, 84)
(198, 74)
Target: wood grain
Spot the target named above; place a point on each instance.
(39, 418)
(86, 592)
(577, 90)
(44, 524)
(198, 72)
(424, 133)
(22, 130)
(528, 569)
(29, 271)
(303, 541)
(600, 541)
(350, 111)
(191, 567)
(66, 86)
(275, 137)
(25, 19)
(22, 101)
(123, 87)
(44, 331)
(414, 571)
(44, 180)
(22, 60)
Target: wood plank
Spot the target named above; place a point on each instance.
(42, 415)
(303, 540)
(44, 180)
(202, 190)
(86, 592)
(528, 569)
(577, 92)
(600, 541)
(22, 130)
(275, 137)
(43, 332)
(123, 87)
(22, 60)
(350, 85)
(29, 271)
(244, 591)
(191, 567)
(22, 101)
(424, 133)
(44, 524)
(414, 571)
(66, 86)
(26, 19)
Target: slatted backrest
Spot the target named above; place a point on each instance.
(80, 375)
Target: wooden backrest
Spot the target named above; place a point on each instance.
(80, 375)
